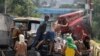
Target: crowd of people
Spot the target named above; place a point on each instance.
(59, 39)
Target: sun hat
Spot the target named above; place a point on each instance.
(21, 38)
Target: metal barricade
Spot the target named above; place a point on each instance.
(95, 47)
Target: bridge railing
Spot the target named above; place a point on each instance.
(95, 48)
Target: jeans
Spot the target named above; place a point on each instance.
(39, 37)
(50, 35)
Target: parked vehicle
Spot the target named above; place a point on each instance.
(5, 23)
(30, 26)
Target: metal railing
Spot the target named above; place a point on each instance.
(95, 48)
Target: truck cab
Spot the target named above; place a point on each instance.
(30, 26)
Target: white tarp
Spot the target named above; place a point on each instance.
(3, 26)
(5, 22)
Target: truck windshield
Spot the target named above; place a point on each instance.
(34, 27)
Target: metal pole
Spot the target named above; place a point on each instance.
(90, 12)
(90, 17)
(28, 8)
(87, 10)
(5, 6)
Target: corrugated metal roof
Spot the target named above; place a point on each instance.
(28, 18)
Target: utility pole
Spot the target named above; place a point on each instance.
(5, 6)
(90, 10)
(88, 7)
(28, 8)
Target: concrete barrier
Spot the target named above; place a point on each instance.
(95, 48)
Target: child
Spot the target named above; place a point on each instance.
(58, 45)
(21, 46)
(71, 48)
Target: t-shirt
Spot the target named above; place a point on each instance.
(58, 43)
(42, 27)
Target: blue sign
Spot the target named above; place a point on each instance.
(54, 10)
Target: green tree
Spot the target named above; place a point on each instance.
(21, 7)
(36, 3)
(67, 6)
(96, 18)
(1, 6)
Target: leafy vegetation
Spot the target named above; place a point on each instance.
(96, 18)
(1, 6)
(67, 6)
(22, 7)
(72, 6)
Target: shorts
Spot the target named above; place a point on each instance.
(50, 35)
